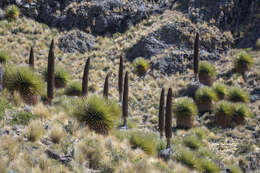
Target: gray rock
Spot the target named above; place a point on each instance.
(2, 14)
(190, 90)
(165, 154)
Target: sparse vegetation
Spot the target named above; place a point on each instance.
(185, 109)
(140, 66)
(22, 118)
(243, 62)
(237, 94)
(207, 73)
(4, 57)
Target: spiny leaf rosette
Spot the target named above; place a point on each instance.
(237, 94)
(221, 91)
(223, 113)
(241, 111)
(205, 98)
(207, 73)
(25, 81)
(185, 109)
(243, 62)
(97, 114)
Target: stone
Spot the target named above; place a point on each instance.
(165, 154)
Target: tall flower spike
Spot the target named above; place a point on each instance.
(50, 73)
(168, 118)
(106, 89)
(31, 58)
(161, 114)
(125, 100)
(196, 55)
(120, 78)
(85, 78)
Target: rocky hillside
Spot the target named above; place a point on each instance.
(155, 40)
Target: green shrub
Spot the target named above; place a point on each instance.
(243, 59)
(207, 68)
(205, 94)
(61, 77)
(4, 57)
(221, 90)
(185, 107)
(257, 44)
(234, 169)
(3, 106)
(73, 89)
(24, 80)
(140, 66)
(186, 157)
(200, 132)
(238, 95)
(208, 166)
(224, 108)
(193, 142)
(145, 141)
(22, 118)
(242, 110)
(97, 114)
(12, 12)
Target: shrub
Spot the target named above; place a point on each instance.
(238, 95)
(12, 12)
(241, 111)
(4, 57)
(234, 169)
(99, 115)
(22, 118)
(193, 142)
(257, 44)
(208, 166)
(186, 157)
(243, 62)
(73, 89)
(140, 66)
(61, 77)
(145, 141)
(223, 113)
(221, 91)
(56, 134)
(207, 73)
(205, 94)
(25, 81)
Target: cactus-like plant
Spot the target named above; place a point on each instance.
(237, 94)
(221, 91)
(25, 81)
(12, 12)
(125, 100)
(120, 78)
(223, 113)
(243, 62)
(4, 57)
(105, 91)
(196, 55)
(140, 66)
(98, 114)
(205, 98)
(168, 118)
(161, 114)
(241, 111)
(185, 109)
(85, 78)
(50, 73)
(31, 58)
(207, 73)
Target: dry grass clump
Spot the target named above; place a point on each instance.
(41, 111)
(35, 131)
(57, 133)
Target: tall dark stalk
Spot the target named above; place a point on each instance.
(168, 118)
(105, 91)
(50, 73)
(31, 58)
(120, 78)
(125, 100)
(85, 78)
(196, 55)
(161, 114)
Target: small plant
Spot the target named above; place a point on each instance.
(234, 169)
(238, 95)
(144, 141)
(221, 91)
(208, 166)
(12, 12)
(3, 106)
(205, 98)
(25, 81)
(241, 111)
(97, 114)
(185, 109)
(193, 142)
(56, 134)
(223, 113)
(22, 118)
(35, 131)
(207, 73)
(4, 57)
(140, 66)
(73, 89)
(257, 44)
(186, 157)
(243, 62)
(61, 77)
